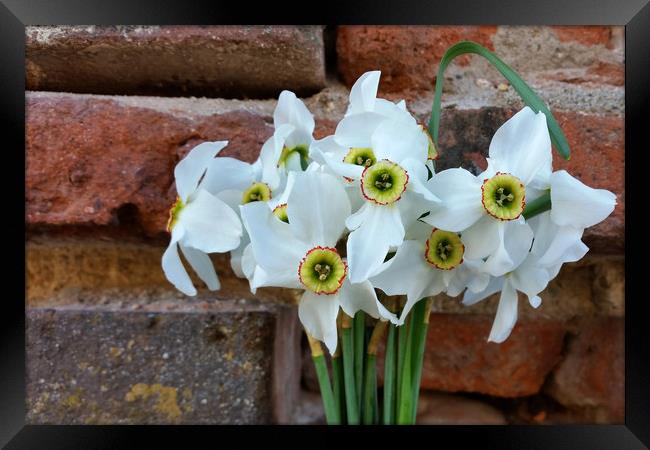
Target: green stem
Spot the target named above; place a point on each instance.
(359, 330)
(339, 389)
(405, 399)
(421, 324)
(390, 361)
(402, 333)
(538, 206)
(331, 412)
(525, 92)
(348, 375)
(370, 390)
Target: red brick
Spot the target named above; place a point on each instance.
(459, 358)
(230, 61)
(407, 56)
(444, 409)
(586, 35)
(598, 160)
(89, 157)
(592, 373)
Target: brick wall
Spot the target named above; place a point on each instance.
(110, 111)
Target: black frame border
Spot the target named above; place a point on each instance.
(16, 14)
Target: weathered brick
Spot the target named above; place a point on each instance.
(597, 156)
(408, 56)
(230, 61)
(459, 359)
(93, 271)
(88, 365)
(592, 374)
(445, 409)
(91, 158)
(586, 35)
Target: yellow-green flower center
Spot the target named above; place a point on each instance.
(444, 249)
(504, 196)
(256, 192)
(384, 182)
(322, 270)
(174, 211)
(360, 156)
(301, 150)
(280, 212)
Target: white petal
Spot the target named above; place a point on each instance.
(362, 297)
(293, 162)
(397, 141)
(210, 224)
(460, 192)
(248, 263)
(173, 267)
(574, 203)
(514, 241)
(317, 208)
(292, 110)
(227, 173)
(357, 130)
(522, 145)
(274, 246)
(394, 111)
(405, 273)
(556, 244)
(236, 256)
(190, 169)
(364, 92)
(286, 190)
(481, 239)
(494, 286)
(335, 162)
(203, 267)
(506, 316)
(270, 154)
(368, 245)
(418, 175)
(318, 315)
(530, 278)
(412, 206)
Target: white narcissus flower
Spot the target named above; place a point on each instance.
(488, 208)
(429, 263)
(557, 241)
(393, 186)
(288, 148)
(302, 254)
(199, 222)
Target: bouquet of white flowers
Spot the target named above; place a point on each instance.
(364, 210)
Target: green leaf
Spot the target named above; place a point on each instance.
(527, 94)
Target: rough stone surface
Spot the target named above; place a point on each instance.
(445, 409)
(92, 271)
(407, 56)
(230, 61)
(459, 358)
(94, 366)
(592, 374)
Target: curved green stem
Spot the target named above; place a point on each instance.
(527, 94)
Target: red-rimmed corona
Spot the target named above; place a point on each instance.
(322, 270)
(503, 196)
